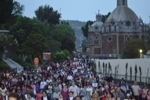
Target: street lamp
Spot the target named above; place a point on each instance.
(140, 51)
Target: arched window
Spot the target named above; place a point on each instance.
(128, 23)
(112, 22)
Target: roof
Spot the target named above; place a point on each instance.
(122, 13)
(97, 23)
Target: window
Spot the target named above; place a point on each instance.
(112, 22)
(96, 27)
(128, 23)
(109, 28)
(134, 23)
(109, 39)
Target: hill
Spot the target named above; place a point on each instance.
(76, 25)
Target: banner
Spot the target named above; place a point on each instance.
(46, 56)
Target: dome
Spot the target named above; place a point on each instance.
(122, 13)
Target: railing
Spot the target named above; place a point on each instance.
(128, 77)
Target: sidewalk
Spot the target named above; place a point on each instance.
(13, 65)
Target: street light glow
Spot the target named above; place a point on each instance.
(140, 51)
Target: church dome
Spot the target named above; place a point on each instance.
(122, 13)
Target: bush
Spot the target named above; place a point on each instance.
(3, 66)
(24, 64)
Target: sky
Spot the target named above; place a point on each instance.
(84, 10)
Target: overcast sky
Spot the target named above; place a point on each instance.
(84, 10)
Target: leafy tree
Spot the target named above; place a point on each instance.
(6, 8)
(131, 49)
(7, 43)
(104, 17)
(84, 45)
(62, 55)
(21, 30)
(65, 35)
(53, 45)
(9, 9)
(35, 45)
(85, 29)
(67, 54)
(24, 26)
(17, 8)
(46, 13)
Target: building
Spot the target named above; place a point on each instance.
(107, 39)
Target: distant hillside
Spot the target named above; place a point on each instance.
(76, 25)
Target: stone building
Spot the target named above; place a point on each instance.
(107, 39)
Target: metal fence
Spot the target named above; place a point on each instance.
(128, 77)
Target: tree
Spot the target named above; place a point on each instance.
(53, 45)
(65, 35)
(131, 49)
(85, 29)
(35, 45)
(17, 8)
(7, 43)
(84, 45)
(21, 30)
(8, 10)
(62, 55)
(46, 13)
(104, 17)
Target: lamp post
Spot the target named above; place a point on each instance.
(141, 51)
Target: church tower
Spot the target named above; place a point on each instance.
(122, 2)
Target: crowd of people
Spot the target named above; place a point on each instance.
(70, 80)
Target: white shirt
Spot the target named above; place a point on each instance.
(69, 77)
(136, 89)
(56, 95)
(74, 89)
(42, 85)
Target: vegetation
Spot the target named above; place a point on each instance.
(3, 66)
(31, 37)
(131, 49)
(85, 30)
(47, 14)
(62, 55)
